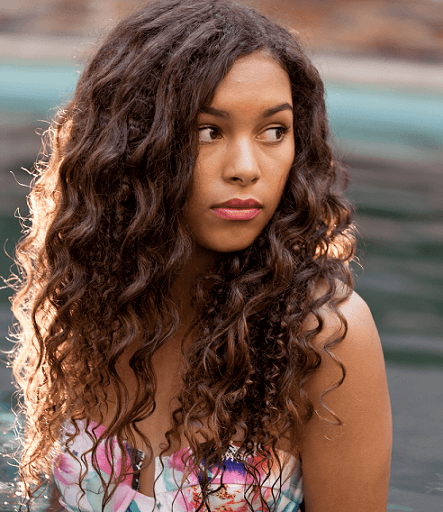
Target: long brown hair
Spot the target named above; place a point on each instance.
(107, 242)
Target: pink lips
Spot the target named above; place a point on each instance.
(238, 209)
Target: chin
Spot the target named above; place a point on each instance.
(225, 244)
(233, 247)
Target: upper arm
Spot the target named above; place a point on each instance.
(346, 468)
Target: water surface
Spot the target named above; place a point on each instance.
(392, 141)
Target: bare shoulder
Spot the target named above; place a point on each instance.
(362, 333)
(361, 330)
(349, 462)
(359, 351)
(362, 339)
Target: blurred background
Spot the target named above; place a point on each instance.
(382, 62)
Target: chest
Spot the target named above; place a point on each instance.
(168, 366)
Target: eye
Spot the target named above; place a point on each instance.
(274, 134)
(208, 133)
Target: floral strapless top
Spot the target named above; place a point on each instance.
(231, 485)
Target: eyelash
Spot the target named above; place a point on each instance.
(284, 130)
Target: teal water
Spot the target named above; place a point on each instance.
(392, 141)
(31, 90)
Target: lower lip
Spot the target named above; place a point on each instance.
(236, 213)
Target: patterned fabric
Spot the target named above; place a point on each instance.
(232, 486)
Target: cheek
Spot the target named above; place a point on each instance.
(282, 181)
(283, 166)
(279, 186)
(199, 202)
(204, 179)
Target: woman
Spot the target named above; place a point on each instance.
(189, 335)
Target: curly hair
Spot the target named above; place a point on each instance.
(108, 240)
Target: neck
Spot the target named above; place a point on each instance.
(201, 261)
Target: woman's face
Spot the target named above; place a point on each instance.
(245, 155)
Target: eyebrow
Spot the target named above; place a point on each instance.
(267, 113)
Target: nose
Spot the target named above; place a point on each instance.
(242, 165)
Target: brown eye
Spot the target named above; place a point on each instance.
(208, 134)
(274, 134)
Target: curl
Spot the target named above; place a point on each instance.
(108, 241)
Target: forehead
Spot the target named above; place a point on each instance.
(255, 77)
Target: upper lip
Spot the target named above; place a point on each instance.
(240, 203)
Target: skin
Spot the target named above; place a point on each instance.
(344, 468)
(242, 154)
(245, 155)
